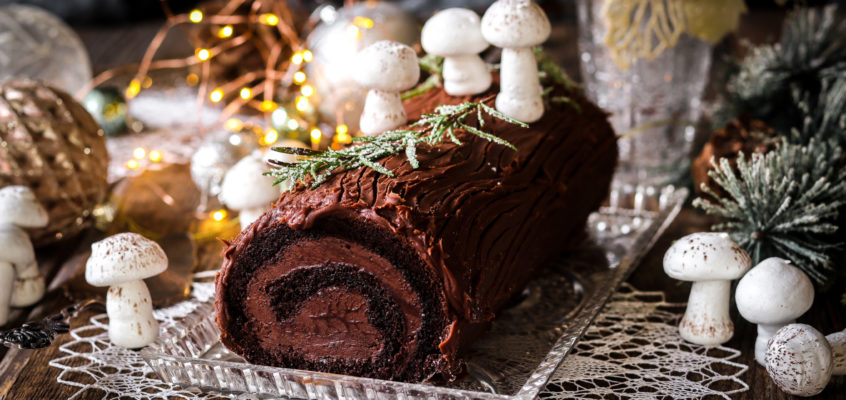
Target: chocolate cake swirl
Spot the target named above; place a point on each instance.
(393, 277)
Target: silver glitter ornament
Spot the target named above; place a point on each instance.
(37, 45)
(219, 153)
(335, 44)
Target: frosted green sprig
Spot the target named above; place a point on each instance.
(431, 129)
(784, 203)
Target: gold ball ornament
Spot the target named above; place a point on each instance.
(49, 143)
(334, 45)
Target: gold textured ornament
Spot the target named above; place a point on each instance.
(49, 143)
(645, 28)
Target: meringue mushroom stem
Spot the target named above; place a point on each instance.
(765, 333)
(707, 320)
(130, 310)
(29, 286)
(7, 283)
(382, 111)
(465, 74)
(520, 90)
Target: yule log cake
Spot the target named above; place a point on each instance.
(393, 277)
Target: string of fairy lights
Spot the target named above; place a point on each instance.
(270, 27)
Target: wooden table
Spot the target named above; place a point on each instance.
(26, 375)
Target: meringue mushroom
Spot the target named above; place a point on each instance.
(801, 360)
(516, 26)
(247, 190)
(19, 209)
(773, 294)
(386, 68)
(455, 34)
(7, 283)
(711, 260)
(121, 262)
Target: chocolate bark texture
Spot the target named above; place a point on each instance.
(394, 277)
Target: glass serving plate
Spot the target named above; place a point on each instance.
(525, 345)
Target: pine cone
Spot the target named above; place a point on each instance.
(49, 143)
(746, 135)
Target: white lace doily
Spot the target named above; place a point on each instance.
(632, 350)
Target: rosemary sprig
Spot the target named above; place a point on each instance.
(431, 129)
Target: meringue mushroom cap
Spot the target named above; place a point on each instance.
(386, 65)
(245, 186)
(774, 292)
(20, 207)
(799, 360)
(706, 256)
(16, 247)
(515, 24)
(122, 258)
(452, 32)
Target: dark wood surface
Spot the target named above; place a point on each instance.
(25, 374)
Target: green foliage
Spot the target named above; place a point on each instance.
(771, 80)
(430, 129)
(825, 118)
(433, 65)
(784, 203)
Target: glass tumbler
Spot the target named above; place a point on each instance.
(654, 103)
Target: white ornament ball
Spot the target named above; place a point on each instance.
(37, 45)
(334, 46)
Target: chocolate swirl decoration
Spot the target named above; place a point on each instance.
(393, 277)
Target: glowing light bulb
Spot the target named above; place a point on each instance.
(195, 16)
(315, 135)
(268, 105)
(353, 31)
(225, 31)
(297, 58)
(278, 116)
(219, 215)
(307, 56)
(234, 125)
(307, 90)
(299, 77)
(139, 153)
(155, 156)
(343, 135)
(245, 93)
(216, 95)
(271, 137)
(132, 164)
(363, 22)
(133, 89)
(203, 54)
(293, 124)
(235, 140)
(302, 103)
(269, 19)
(192, 79)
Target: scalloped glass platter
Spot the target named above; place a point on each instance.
(525, 345)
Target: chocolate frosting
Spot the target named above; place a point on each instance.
(479, 218)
